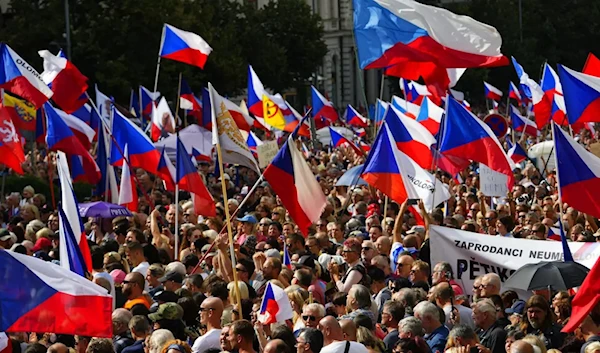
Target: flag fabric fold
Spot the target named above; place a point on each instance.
(128, 196)
(412, 138)
(354, 118)
(581, 95)
(183, 46)
(322, 107)
(163, 121)
(275, 306)
(188, 179)
(492, 92)
(66, 82)
(521, 123)
(542, 106)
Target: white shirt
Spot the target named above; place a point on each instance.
(143, 269)
(110, 280)
(340, 346)
(207, 341)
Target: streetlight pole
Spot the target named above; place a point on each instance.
(68, 29)
(520, 22)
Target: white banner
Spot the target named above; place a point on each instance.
(473, 254)
(491, 182)
(266, 152)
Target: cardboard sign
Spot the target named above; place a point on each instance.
(266, 152)
(595, 149)
(491, 182)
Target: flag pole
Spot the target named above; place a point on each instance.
(162, 42)
(177, 103)
(228, 220)
(563, 238)
(141, 107)
(176, 254)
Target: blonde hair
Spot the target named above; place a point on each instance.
(180, 343)
(297, 295)
(44, 233)
(243, 290)
(591, 348)
(115, 257)
(33, 208)
(368, 339)
(536, 341)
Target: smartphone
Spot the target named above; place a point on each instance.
(474, 350)
(411, 202)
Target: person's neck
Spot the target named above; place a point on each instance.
(138, 338)
(136, 262)
(97, 270)
(433, 328)
(213, 325)
(135, 296)
(486, 325)
(246, 348)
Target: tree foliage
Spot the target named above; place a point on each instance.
(115, 42)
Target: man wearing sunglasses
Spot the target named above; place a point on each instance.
(312, 314)
(210, 313)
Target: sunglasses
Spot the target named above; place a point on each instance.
(240, 269)
(366, 248)
(309, 318)
(206, 309)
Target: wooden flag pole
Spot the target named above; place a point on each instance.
(177, 103)
(162, 42)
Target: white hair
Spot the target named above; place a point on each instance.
(122, 316)
(411, 324)
(486, 306)
(158, 339)
(177, 267)
(493, 279)
(320, 309)
(427, 309)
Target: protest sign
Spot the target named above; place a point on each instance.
(491, 182)
(474, 254)
(266, 152)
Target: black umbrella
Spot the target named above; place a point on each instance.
(556, 275)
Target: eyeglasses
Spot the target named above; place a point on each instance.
(264, 224)
(366, 248)
(277, 213)
(186, 215)
(321, 225)
(240, 269)
(309, 318)
(206, 309)
(128, 282)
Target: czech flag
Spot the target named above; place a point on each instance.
(353, 118)
(142, 153)
(20, 78)
(582, 95)
(163, 121)
(166, 171)
(592, 65)
(513, 92)
(410, 92)
(409, 109)
(293, 181)
(492, 92)
(84, 169)
(338, 140)
(275, 306)
(394, 32)
(516, 152)
(468, 137)
(412, 138)
(586, 298)
(322, 107)
(430, 116)
(39, 296)
(65, 80)
(128, 196)
(553, 90)
(148, 101)
(542, 106)
(59, 135)
(253, 142)
(88, 115)
(287, 261)
(11, 149)
(186, 47)
(256, 92)
(206, 121)
(521, 123)
(188, 179)
(188, 102)
(397, 175)
(107, 185)
(380, 110)
(578, 173)
(73, 245)
(84, 133)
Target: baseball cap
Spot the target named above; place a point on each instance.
(416, 229)
(248, 218)
(273, 253)
(167, 311)
(42, 243)
(307, 261)
(171, 276)
(5, 235)
(516, 308)
(166, 296)
(118, 276)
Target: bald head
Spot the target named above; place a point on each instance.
(276, 346)
(332, 331)
(348, 329)
(58, 348)
(211, 312)
(137, 278)
(521, 347)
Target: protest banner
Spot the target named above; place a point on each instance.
(266, 152)
(491, 182)
(474, 254)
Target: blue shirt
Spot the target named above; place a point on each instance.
(136, 347)
(437, 339)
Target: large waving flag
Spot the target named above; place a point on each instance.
(409, 109)
(142, 153)
(466, 136)
(516, 152)
(397, 175)
(586, 298)
(59, 135)
(542, 106)
(322, 107)
(65, 80)
(84, 133)
(74, 250)
(353, 117)
(163, 121)
(188, 179)
(581, 94)
(430, 116)
(292, 180)
(513, 92)
(275, 306)
(128, 196)
(521, 123)
(39, 296)
(20, 78)
(11, 149)
(492, 92)
(578, 173)
(412, 138)
(227, 134)
(338, 140)
(553, 90)
(22, 113)
(272, 113)
(183, 46)
(394, 32)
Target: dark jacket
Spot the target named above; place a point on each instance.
(136, 347)
(122, 341)
(494, 337)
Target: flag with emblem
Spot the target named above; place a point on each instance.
(11, 150)
(21, 112)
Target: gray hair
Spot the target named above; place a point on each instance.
(463, 331)
(158, 339)
(486, 306)
(361, 294)
(427, 309)
(320, 309)
(411, 325)
(406, 297)
(122, 316)
(493, 279)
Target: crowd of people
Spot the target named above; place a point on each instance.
(360, 281)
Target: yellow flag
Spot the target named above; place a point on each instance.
(272, 113)
(21, 111)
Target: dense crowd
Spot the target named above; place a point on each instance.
(361, 281)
